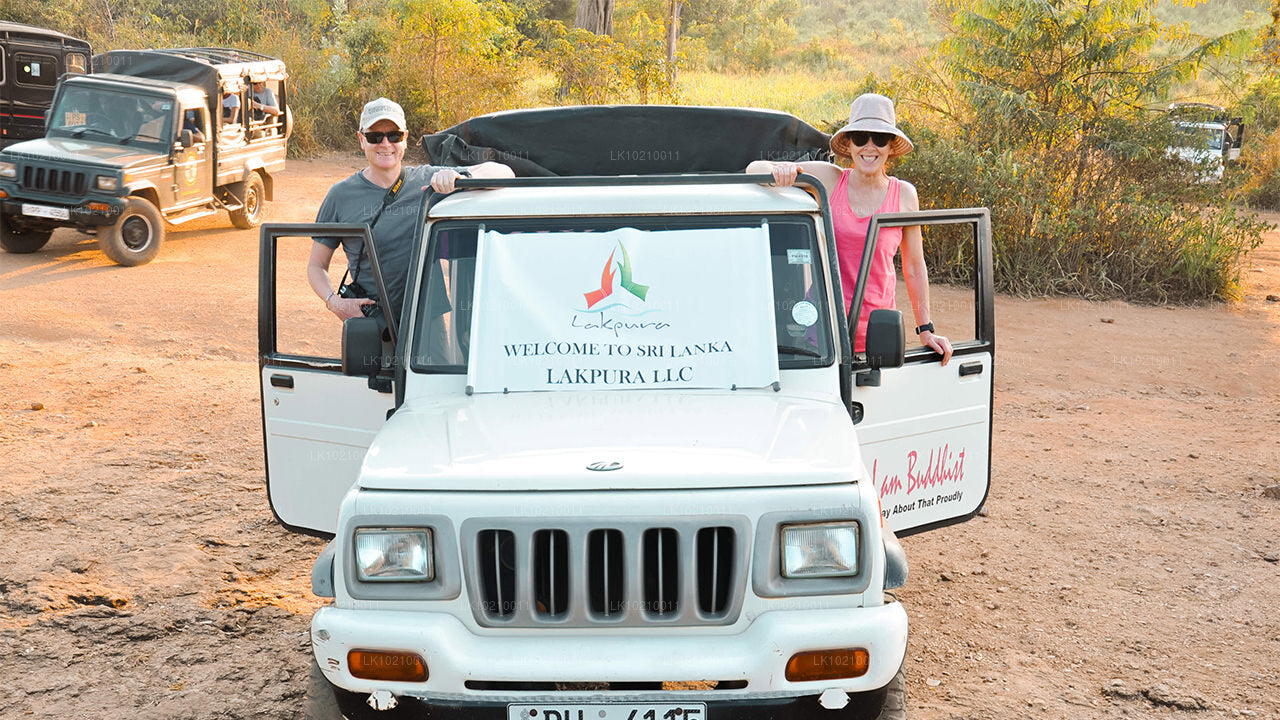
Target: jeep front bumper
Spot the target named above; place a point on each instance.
(89, 212)
(461, 660)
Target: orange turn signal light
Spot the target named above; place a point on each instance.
(3, 194)
(100, 207)
(383, 665)
(828, 664)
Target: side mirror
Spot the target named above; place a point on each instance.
(885, 346)
(186, 139)
(361, 347)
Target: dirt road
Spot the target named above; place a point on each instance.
(1128, 564)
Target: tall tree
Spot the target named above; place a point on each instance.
(595, 16)
(673, 34)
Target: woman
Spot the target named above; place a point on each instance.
(868, 142)
(386, 195)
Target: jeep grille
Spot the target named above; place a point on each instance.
(52, 180)
(537, 577)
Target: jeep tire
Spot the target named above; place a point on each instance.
(135, 237)
(887, 703)
(326, 701)
(249, 215)
(21, 241)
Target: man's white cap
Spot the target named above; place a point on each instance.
(382, 109)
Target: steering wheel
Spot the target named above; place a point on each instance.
(100, 121)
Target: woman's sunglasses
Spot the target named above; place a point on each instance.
(375, 136)
(858, 138)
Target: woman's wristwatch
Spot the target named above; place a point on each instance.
(927, 326)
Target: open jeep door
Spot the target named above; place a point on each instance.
(317, 422)
(925, 429)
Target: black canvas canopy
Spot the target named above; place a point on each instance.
(206, 68)
(627, 140)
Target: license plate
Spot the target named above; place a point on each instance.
(45, 211)
(608, 711)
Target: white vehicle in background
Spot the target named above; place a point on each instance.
(614, 457)
(1206, 136)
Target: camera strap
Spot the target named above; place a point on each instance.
(386, 200)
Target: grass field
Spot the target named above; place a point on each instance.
(822, 100)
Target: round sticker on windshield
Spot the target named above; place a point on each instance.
(804, 313)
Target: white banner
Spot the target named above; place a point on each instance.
(625, 309)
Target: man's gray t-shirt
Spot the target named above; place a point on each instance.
(357, 200)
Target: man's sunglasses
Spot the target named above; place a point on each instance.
(858, 138)
(375, 136)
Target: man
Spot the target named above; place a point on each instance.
(191, 121)
(386, 195)
(230, 107)
(263, 102)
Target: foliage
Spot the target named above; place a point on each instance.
(741, 34)
(450, 60)
(1125, 231)
(821, 98)
(599, 69)
(1054, 70)
(1036, 110)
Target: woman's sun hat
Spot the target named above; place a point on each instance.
(871, 113)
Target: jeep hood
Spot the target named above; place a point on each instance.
(653, 440)
(82, 150)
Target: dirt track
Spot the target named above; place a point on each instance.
(1128, 564)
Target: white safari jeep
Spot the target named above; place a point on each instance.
(618, 460)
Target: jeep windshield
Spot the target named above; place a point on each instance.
(113, 116)
(638, 286)
(1200, 136)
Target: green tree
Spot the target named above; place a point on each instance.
(1039, 113)
(1055, 71)
(741, 34)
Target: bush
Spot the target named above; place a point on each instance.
(1261, 187)
(595, 69)
(1105, 225)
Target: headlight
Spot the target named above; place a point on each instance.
(394, 554)
(106, 182)
(820, 550)
(8, 170)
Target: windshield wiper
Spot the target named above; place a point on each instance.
(81, 131)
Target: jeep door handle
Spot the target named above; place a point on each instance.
(286, 381)
(971, 368)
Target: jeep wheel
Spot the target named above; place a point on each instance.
(321, 702)
(250, 213)
(22, 241)
(136, 236)
(326, 701)
(887, 703)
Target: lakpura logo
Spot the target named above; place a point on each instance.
(607, 276)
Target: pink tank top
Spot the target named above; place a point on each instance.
(851, 238)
